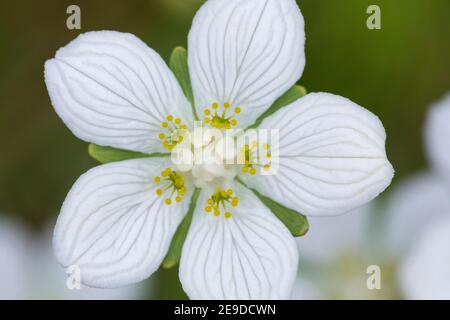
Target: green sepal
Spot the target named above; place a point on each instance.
(293, 94)
(179, 66)
(174, 254)
(109, 154)
(296, 223)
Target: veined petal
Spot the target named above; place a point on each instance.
(425, 273)
(437, 136)
(251, 255)
(245, 53)
(111, 89)
(331, 156)
(114, 227)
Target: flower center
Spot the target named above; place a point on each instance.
(172, 133)
(204, 154)
(221, 119)
(254, 156)
(220, 201)
(172, 183)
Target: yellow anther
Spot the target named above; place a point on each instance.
(237, 110)
(219, 200)
(219, 118)
(175, 132)
(166, 173)
(255, 155)
(172, 182)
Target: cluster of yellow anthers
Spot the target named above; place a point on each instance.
(221, 119)
(173, 182)
(173, 132)
(219, 200)
(253, 157)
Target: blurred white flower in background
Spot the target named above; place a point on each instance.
(419, 225)
(28, 269)
(336, 253)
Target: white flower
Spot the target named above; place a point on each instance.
(118, 220)
(419, 225)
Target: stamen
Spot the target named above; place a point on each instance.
(172, 182)
(221, 200)
(175, 131)
(255, 156)
(221, 119)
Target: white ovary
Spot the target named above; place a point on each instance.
(208, 155)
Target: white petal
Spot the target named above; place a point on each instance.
(47, 280)
(329, 238)
(247, 53)
(414, 204)
(425, 273)
(114, 227)
(332, 156)
(252, 255)
(437, 135)
(111, 89)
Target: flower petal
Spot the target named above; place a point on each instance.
(414, 204)
(114, 227)
(111, 89)
(425, 273)
(437, 136)
(247, 53)
(331, 156)
(251, 255)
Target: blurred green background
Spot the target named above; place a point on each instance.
(395, 72)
